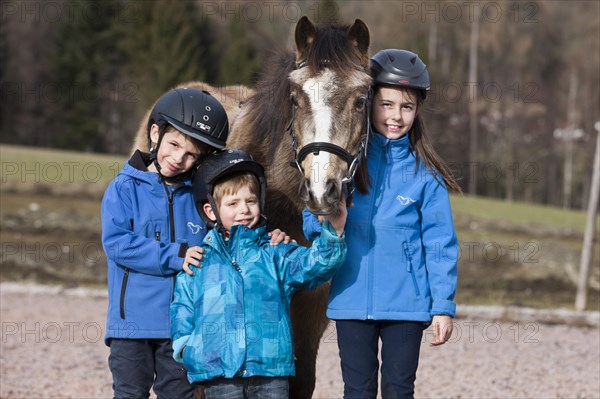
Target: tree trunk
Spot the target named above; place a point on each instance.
(473, 131)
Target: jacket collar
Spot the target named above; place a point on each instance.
(215, 239)
(137, 167)
(398, 148)
(140, 160)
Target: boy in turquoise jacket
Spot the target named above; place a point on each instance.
(231, 320)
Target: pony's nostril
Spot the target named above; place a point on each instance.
(304, 191)
(332, 192)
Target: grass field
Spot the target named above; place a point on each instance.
(40, 165)
(511, 253)
(519, 212)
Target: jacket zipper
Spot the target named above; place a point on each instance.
(370, 268)
(171, 226)
(171, 212)
(235, 265)
(409, 269)
(123, 289)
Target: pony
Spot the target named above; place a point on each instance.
(309, 110)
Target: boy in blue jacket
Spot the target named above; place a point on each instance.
(151, 231)
(401, 270)
(231, 323)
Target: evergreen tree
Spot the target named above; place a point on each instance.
(242, 60)
(168, 44)
(81, 68)
(327, 12)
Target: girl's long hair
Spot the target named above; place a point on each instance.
(424, 151)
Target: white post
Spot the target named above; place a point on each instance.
(588, 238)
(568, 135)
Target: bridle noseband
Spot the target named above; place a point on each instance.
(353, 161)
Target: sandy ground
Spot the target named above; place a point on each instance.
(52, 347)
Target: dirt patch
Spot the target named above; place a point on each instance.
(52, 347)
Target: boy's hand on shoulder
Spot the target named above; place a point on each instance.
(277, 236)
(193, 257)
(338, 218)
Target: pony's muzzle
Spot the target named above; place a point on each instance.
(321, 205)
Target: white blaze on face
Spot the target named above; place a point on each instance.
(318, 90)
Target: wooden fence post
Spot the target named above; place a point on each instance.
(590, 227)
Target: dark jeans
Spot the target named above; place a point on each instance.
(358, 341)
(139, 364)
(247, 388)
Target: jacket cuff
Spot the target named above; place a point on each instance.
(183, 247)
(329, 232)
(443, 307)
(178, 346)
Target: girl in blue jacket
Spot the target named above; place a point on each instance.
(400, 274)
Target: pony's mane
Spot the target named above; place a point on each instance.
(332, 49)
(270, 107)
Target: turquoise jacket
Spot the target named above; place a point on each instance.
(402, 244)
(233, 316)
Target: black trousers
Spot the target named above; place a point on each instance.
(140, 364)
(358, 342)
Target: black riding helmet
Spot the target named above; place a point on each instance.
(400, 68)
(217, 166)
(193, 112)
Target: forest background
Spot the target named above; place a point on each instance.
(515, 84)
(514, 101)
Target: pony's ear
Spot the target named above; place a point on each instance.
(358, 34)
(305, 35)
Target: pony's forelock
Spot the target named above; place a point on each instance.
(332, 49)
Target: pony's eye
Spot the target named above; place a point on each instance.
(360, 103)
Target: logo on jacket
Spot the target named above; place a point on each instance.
(405, 200)
(195, 228)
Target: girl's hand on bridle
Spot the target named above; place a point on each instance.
(277, 236)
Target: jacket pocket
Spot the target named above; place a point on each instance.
(410, 269)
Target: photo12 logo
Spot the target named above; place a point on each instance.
(51, 332)
(55, 172)
(460, 11)
(68, 11)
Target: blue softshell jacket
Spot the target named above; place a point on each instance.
(147, 226)
(233, 316)
(402, 244)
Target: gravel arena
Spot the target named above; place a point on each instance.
(52, 347)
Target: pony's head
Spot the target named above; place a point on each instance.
(329, 92)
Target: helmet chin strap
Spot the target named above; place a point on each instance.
(216, 224)
(154, 150)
